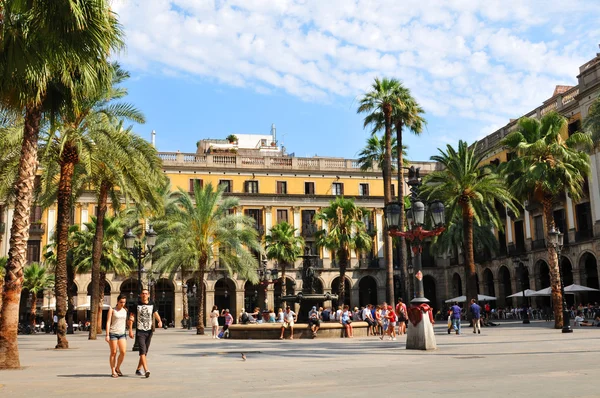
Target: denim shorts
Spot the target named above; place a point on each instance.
(113, 336)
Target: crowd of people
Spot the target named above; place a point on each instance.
(383, 319)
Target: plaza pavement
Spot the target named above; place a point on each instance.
(511, 360)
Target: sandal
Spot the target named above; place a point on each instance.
(114, 375)
(119, 372)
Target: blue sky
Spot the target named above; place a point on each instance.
(205, 69)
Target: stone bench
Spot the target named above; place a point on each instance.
(272, 331)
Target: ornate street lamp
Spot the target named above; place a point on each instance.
(267, 277)
(519, 266)
(137, 252)
(191, 294)
(420, 334)
(556, 239)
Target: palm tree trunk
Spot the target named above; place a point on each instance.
(283, 285)
(401, 250)
(101, 286)
(557, 301)
(70, 302)
(470, 272)
(96, 256)
(19, 234)
(201, 271)
(343, 258)
(65, 188)
(32, 311)
(387, 198)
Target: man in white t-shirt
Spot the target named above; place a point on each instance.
(367, 316)
(289, 317)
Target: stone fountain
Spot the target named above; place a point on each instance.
(308, 297)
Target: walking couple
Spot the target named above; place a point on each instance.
(117, 338)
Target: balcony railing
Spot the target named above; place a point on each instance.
(538, 244)
(37, 229)
(368, 263)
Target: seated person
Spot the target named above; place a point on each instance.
(579, 318)
(595, 322)
(313, 321)
(254, 316)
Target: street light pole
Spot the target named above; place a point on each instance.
(135, 248)
(521, 269)
(420, 334)
(557, 242)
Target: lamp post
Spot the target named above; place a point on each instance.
(137, 251)
(267, 277)
(420, 334)
(557, 242)
(518, 263)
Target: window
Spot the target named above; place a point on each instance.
(226, 184)
(393, 190)
(309, 188)
(251, 187)
(193, 182)
(35, 215)
(538, 226)
(281, 187)
(33, 251)
(282, 215)
(363, 189)
(337, 188)
(574, 127)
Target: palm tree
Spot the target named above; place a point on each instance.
(379, 105)
(346, 231)
(36, 278)
(44, 48)
(82, 129)
(126, 165)
(372, 155)
(547, 166)
(285, 247)
(194, 225)
(113, 256)
(469, 191)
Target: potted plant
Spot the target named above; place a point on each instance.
(232, 138)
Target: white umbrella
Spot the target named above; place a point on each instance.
(462, 299)
(547, 292)
(459, 299)
(528, 293)
(86, 306)
(578, 288)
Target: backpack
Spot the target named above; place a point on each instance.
(245, 317)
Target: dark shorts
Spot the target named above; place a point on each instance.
(314, 322)
(143, 340)
(371, 322)
(225, 327)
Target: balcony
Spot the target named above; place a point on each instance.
(37, 228)
(538, 244)
(309, 230)
(583, 235)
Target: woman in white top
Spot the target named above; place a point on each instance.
(214, 322)
(115, 334)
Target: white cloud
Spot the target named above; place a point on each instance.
(472, 58)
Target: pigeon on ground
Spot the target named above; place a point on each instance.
(243, 357)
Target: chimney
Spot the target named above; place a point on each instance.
(153, 140)
(274, 132)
